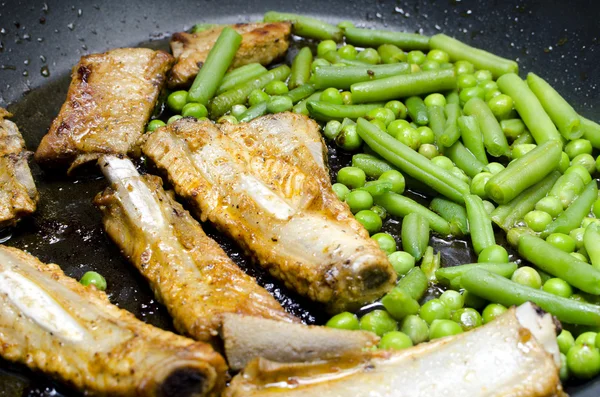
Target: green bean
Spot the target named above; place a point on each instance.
(412, 163)
(524, 172)
(217, 62)
(374, 38)
(568, 186)
(334, 57)
(451, 133)
(301, 68)
(343, 77)
(437, 121)
(415, 235)
(377, 188)
(559, 263)
(371, 165)
(301, 92)
(559, 110)
(404, 85)
(201, 27)
(452, 97)
(472, 138)
(480, 224)
(241, 75)
(512, 128)
(238, 95)
(507, 215)
(324, 111)
(591, 242)
(453, 213)
(401, 206)
(571, 218)
(430, 264)
(493, 136)
(508, 293)
(451, 275)
(390, 53)
(260, 109)
(306, 26)
(417, 110)
(464, 159)
(414, 283)
(529, 108)
(399, 304)
(523, 139)
(480, 58)
(300, 107)
(591, 131)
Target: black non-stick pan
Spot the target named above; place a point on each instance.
(40, 42)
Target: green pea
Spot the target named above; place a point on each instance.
(379, 322)
(494, 168)
(488, 85)
(435, 100)
(401, 261)
(478, 184)
(369, 220)
(527, 276)
(348, 52)
(452, 299)
(492, 311)
(237, 110)
(577, 236)
(537, 220)
(386, 242)
(577, 147)
(564, 163)
(276, 87)
(467, 318)
(443, 162)
(348, 139)
(416, 328)
(430, 65)
(464, 81)
(340, 190)
(434, 309)
(395, 340)
(317, 63)
(501, 105)
(369, 55)
(397, 108)
(380, 124)
(565, 341)
(551, 205)
(426, 135)
(95, 279)
(396, 126)
(326, 46)
(279, 103)
(408, 136)
(344, 320)
(579, 256)
(561, 241)
(385, 115)
(586, 338)
(347, 97)
(558, 287)
(463, 67)
(257, 96)
(443, 328)
(154, 125)
(491, 94)
(332, 95)
(353, 177)
(332, 129)
(227, 119)
(380, 211)
(397, 179)
(359, 200)
(417, 57)
(586, 160)
(564, 368)
(483, 75)
(177, 100)
(174, 118)
(438, 56)
(470, 92)
(428, 150)
(493, 253)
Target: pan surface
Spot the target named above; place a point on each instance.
(41, 41)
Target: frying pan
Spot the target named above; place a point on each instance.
(41, 41)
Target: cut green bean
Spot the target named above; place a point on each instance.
(377, 188)
(451, 133)
(343, 77)
(324, 111)
(493, 136)
(404, 85)
(591, 131)
(567, 188)
(401, 206)
(301, 92)
(452, 97)
(464, 159)
(414, 283)
(452, 274)
(334, 57)
(453, 213)
(430, 264)
(507, 215)
(415, 235)
(437, 122)
(524, 172)
(480, 224)
(591, 242)
(201, 27)
(371, 165)
(512, 128)
(560, 264)
(375, 38)
(417, 110)
(498, 289)
(217, 62)
(306, 26)
(480, 58)
(260, 109)
(301, 68)
(559, 110)
(472, 138)
(399, 304)
(412, 163)
(524, 139)
(300, 107)
(571, 218)
(390, 53)
(241, 75)
(529, 108)
(239, 94)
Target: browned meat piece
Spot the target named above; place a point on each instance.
(265, 184)
(18, 195)
(188, 271)
(55, 325)
(248, 337)
(515, 355)
(261, 42)
(110, 100)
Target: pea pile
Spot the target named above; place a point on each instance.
(455, 124)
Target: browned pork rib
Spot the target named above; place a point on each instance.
(515, 355)
(188, 271)
(110, 100)
(55, 325)
(261, 42)
(18, 195)
(265, 184)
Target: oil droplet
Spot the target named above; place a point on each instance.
(71, 26)
(43, 58)
(45, 71)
